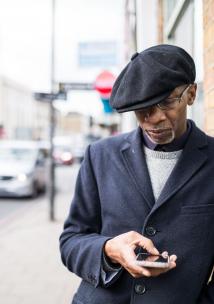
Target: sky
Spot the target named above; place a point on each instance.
(25, 42)
(25, 37)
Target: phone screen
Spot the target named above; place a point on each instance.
(153, 261)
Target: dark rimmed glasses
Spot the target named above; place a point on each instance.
(165, 105)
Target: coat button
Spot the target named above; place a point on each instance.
(150, 231)
(140, 289)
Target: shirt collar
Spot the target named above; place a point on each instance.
(175, 145)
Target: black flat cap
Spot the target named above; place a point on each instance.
(151, 76)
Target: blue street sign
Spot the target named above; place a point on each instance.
(106, 106)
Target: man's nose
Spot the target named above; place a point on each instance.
(157, 115)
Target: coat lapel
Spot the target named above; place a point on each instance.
(192, 159)
(135, 163)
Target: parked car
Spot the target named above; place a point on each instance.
(80, 145)
(62, 150)
(23, 168)
(62, 155)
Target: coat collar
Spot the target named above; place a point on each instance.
(135, 162)
(192, 158)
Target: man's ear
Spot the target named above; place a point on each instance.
(192, 94)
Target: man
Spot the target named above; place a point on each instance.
(149, 190)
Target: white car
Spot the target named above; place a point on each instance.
(23, 168)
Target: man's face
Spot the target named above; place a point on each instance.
(163, 124)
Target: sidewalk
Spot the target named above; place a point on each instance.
(30, 267)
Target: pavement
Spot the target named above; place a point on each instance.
(30, 266)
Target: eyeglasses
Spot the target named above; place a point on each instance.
(165, 105)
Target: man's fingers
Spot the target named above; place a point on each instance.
(137, 271)
(122, 250)
(154, 272)
(128, 258)
(146, 244)
(165, 254)
(173, 258)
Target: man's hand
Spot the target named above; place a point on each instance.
(121, 248)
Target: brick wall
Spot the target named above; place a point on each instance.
(208, 18)
(160, 21)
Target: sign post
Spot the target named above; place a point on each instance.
(49, 98)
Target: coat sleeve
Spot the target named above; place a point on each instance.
(81, 243)
(207, 295)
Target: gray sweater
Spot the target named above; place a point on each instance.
(160, 165)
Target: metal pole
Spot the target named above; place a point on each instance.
(52, 120)
(135, 26)
(52, 165)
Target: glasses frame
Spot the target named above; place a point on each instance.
(174, 100)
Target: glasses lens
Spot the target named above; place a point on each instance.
(168, 103)
(145, 111)
(171, 103)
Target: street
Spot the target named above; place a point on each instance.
(13, 206)
(31, 268)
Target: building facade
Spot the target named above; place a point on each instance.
(182, 25)
(21, 116)
(208, 45)
(188, 24)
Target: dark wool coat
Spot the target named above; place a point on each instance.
(114, 195)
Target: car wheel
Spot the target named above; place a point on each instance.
(43, 189)
(35, 191)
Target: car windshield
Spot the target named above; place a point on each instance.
(17, 154)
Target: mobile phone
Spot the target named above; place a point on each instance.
(152, 261)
